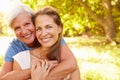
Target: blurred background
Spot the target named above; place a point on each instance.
(91, 30)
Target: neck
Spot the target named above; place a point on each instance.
(35, 44)
(39, 53)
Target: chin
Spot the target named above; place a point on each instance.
(48, 46)
(29, 42)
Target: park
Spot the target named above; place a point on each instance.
(91, 30)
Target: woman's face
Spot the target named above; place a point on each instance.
(47, 31)
(24, 28)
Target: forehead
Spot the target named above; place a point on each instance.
(44, 19)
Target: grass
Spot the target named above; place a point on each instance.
(96, 60)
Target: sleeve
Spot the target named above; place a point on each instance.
(63, 42)
(23, 59)
(9, 54)
(15, 46)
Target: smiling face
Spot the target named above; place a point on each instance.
(47, 31)
(24, 28)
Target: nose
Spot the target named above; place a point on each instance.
(24, 30)
(44, 33)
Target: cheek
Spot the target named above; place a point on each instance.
(37, 34)
(32, 27)
(16, 32)
(56, 34)
(33, 30)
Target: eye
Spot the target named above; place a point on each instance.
(27, 24)
(49, 26)
(17, 28)
(38, 28)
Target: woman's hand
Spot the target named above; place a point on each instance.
(40, 70)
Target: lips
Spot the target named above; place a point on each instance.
(45, 40)
(27, 36)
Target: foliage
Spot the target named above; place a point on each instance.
(74, 16)
(1, 60)
(3, 28)
(116, 8)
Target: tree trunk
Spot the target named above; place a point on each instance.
(107, 22)
(110, 30)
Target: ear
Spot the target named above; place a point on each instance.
(60, 29)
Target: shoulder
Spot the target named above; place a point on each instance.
(16, 46)
(23, 59)
(15, 41)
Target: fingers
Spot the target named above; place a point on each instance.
(33, 67)
(36, 66)
(49, 68)
(43, 64)
(53, 61)
(46, 64)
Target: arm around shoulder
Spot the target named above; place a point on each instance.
(5, 68)
(7, 72)
(66, 66)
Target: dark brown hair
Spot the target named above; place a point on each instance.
(55, 50)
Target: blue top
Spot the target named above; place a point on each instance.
(17, 46)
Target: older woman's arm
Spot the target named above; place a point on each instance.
(5, 68)
(66, 66)
(8, 74)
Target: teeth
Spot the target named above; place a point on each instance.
(27, 36)
(45, 39)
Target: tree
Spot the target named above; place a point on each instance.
(102, 17)
(107, 21)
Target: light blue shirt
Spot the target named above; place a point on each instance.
(17, 46)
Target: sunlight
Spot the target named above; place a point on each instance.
(96, 65)
(5, 5)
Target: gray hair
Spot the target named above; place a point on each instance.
(16, 10)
